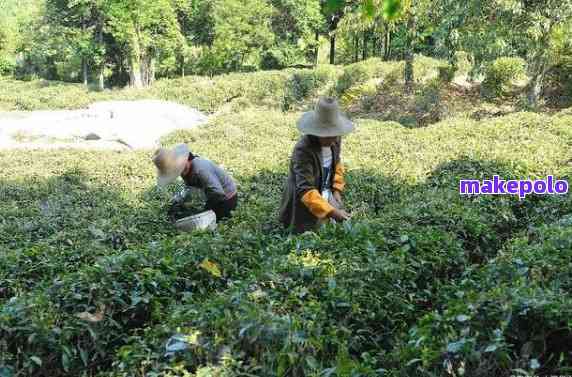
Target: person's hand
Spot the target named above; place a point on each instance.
(172, 211)
(180, 197)
(340, 215)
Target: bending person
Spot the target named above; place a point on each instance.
(218, 187)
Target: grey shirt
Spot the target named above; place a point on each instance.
(211, 178)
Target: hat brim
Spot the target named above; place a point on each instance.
(182, 153)
(308, 125)
(164, 180)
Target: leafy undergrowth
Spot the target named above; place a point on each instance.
(271, 89)
(431, 101)
(285, 90)
(422, 282)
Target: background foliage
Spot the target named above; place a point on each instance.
(107, 43)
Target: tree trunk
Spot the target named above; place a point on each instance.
(364, 52)
(84, 71)
(535, 88)
(356, 48)
(151, 71)
(408, 72)
(100, 79)
(387, 44)
(317, 50)
(332, 48)
(135, 78)
(51, 70)
(83, 59)
(538, 69)
(147, 69)
(135, 65)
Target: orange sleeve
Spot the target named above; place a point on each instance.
(339, 181)
(317, 205)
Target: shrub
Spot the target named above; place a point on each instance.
(501, 73)
(357, 93)
(486, 338)
(298, 87)
(7, 65)
(426, 68)
(94, 281)
(390, 73)
(558, 89)
(357, 73)
(428, 105)
(303, 84)
(446, 74)
(272, 89)
(279, 57)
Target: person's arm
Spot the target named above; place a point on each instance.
(339, 170)
(339, 181)
(305, 185)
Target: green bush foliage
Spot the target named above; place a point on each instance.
(559, 82)
(7, 65)
(304, 84)
(358, 73)
(94, 281)
(359, 81)
(501, 73)
(273, 89)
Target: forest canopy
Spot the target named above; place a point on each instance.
(108, 43)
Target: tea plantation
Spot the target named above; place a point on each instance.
(422, 282)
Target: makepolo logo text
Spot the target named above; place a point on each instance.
(498, 186)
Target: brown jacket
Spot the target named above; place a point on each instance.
(302, 205)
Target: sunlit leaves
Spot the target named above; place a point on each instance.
(211, 267)
(390, 9)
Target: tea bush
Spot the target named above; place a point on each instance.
(305, 84)
(273, 89)
(358, 73)
(360, 82)
(7, 65)
(501, 73)
(94, 281)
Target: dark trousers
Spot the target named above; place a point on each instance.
(223, 209)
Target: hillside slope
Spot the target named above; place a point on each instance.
(421, 282)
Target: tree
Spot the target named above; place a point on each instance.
(333, 11)
(16, 17)
(389, 10)
(295, 25)
(540, 20)
(197, 27)
(411, 36)
(242, 32)
(144, 28)
(81, 22)
(486, 29)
